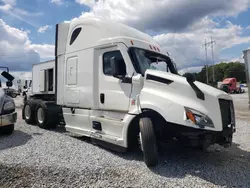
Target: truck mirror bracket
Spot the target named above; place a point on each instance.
(199, 93)
(127, 80)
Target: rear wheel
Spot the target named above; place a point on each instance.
(7, 130)
(46, 117)
(148, 142)
(28, 112)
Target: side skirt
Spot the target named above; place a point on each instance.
(110, 146)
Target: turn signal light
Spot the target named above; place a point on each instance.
(191, 116)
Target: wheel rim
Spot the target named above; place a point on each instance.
(40, 115)
(140, 141)
(27, 112)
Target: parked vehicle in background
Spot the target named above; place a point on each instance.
(116, 85)
(11, 92)
(230, 85)
(24, 85)
(8, 115)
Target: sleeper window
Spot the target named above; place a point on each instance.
(75, 35)
(107, 70)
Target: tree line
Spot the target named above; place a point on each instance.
(221, 71)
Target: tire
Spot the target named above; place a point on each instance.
(46, 115)
(7, 130)
(148, 142)
(28, 111)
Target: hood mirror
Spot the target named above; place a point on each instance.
(190, 77)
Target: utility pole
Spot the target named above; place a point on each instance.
(205, 44)
(212, 48)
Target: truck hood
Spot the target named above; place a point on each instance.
(179, 83)
(170, 94)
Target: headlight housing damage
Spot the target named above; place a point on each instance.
(10, 105)
(198, 118)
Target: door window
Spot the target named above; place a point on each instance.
(107, 70)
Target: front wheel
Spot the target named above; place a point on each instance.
(148, 142)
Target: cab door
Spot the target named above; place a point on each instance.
(113, 97)
(114, 94)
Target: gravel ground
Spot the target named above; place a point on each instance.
(32, 157)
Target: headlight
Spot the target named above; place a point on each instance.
(10, 105)
(198, 118)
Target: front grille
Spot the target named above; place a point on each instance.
(226, 112)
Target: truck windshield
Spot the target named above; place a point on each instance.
(145, 59)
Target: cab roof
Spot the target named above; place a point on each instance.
(109, 29)
(228, 80)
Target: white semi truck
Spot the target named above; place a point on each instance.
(116, 85)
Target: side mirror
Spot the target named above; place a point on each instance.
(117, 70)
(9, 83)
(7, 75)
(190, 77)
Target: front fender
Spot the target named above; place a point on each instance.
(170, 107)
(170, 111)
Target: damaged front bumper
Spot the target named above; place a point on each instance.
(206, 138)
(8, 119)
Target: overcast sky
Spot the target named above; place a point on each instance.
(27, 27)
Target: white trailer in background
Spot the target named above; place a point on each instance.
(43, 76)
(104, 86)
(247, 65)
(23, 85)
(42, 95)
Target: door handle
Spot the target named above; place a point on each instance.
(102, 98)
(70, 71)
